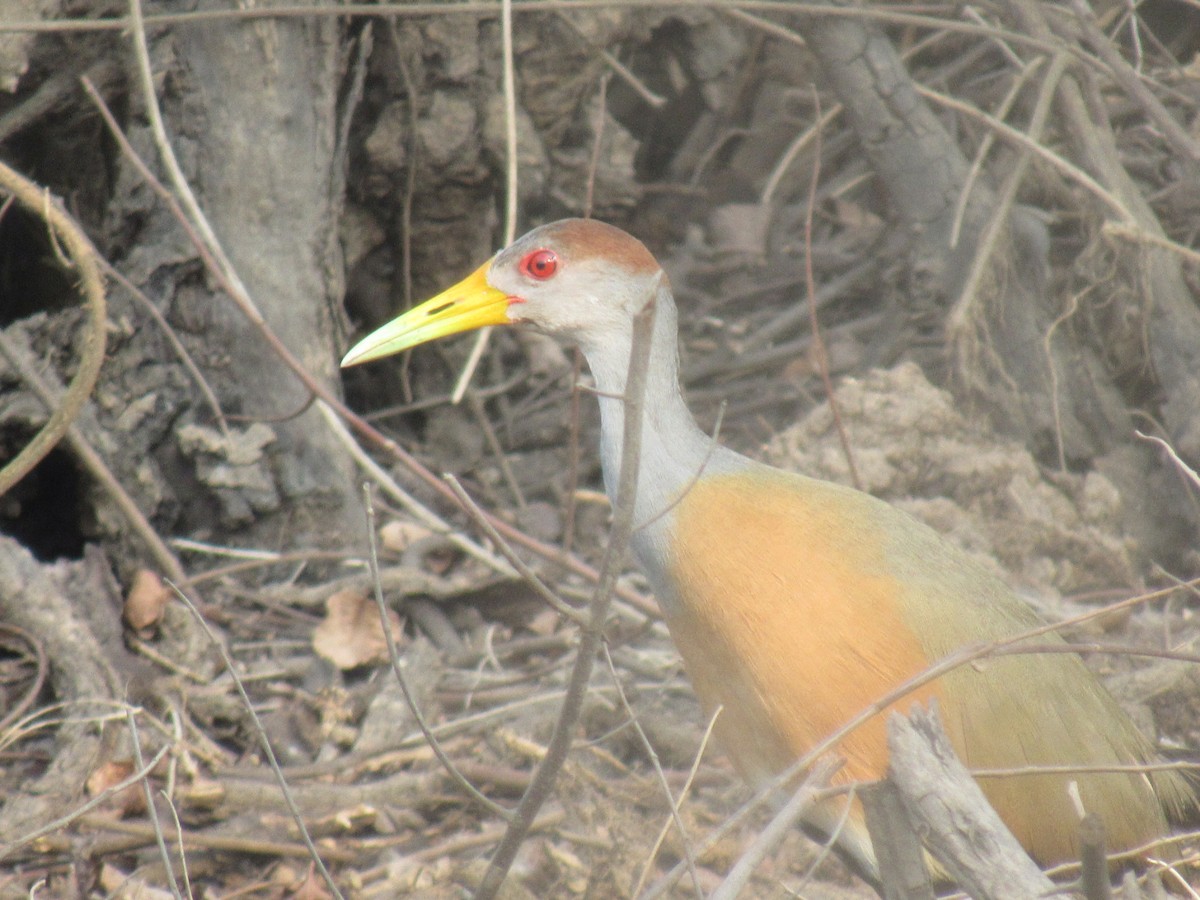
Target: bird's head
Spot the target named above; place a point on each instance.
(578, 279)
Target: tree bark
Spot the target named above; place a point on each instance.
(256, 110)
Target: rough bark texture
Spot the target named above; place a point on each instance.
(954, 817)
(259, 106)
(252, 113)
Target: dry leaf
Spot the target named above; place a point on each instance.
(312, 888)
(127, 802)
(398, 536)
(146, 602)
(123, 886)
(350, 634)
(285, 874)
(106, 775)
(358, 819)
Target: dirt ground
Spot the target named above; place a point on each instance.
(999, 222)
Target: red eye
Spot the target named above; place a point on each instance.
(540, 264)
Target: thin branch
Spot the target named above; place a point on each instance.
(35, 684)
(435, 745)
(137, 27)
(151, 808)
(181, 352)
(956, 321)
(76, 814)
(21, 359)
(1175, 458)
(589, 196)
(1014, 136)
(84, 260)
(413, 148)
(1051, 366)
(673, 804)
(140, 834)
(182, 849)
(1139, 235)
(985, 145)
(264, 742)
(684, 791)
(411, 504)
(801, 801)
(531, 577)
(511, 184)
(592, 636)
(479, 411)
(1176, 135)
(819, 354)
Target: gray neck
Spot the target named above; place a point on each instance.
(673, 448)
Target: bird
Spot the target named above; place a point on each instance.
(797, 603)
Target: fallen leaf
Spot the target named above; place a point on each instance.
(312, 888)
(146, 602)
(285, 874)
(129, 801)
(398, 536)
(350, 634)
(125, 886)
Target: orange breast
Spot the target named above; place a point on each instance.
(786, 617)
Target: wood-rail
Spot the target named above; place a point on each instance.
(797, 603)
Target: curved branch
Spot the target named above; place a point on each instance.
(79, 249)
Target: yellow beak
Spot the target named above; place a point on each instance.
(470, 304)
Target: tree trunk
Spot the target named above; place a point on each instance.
(254, 107)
